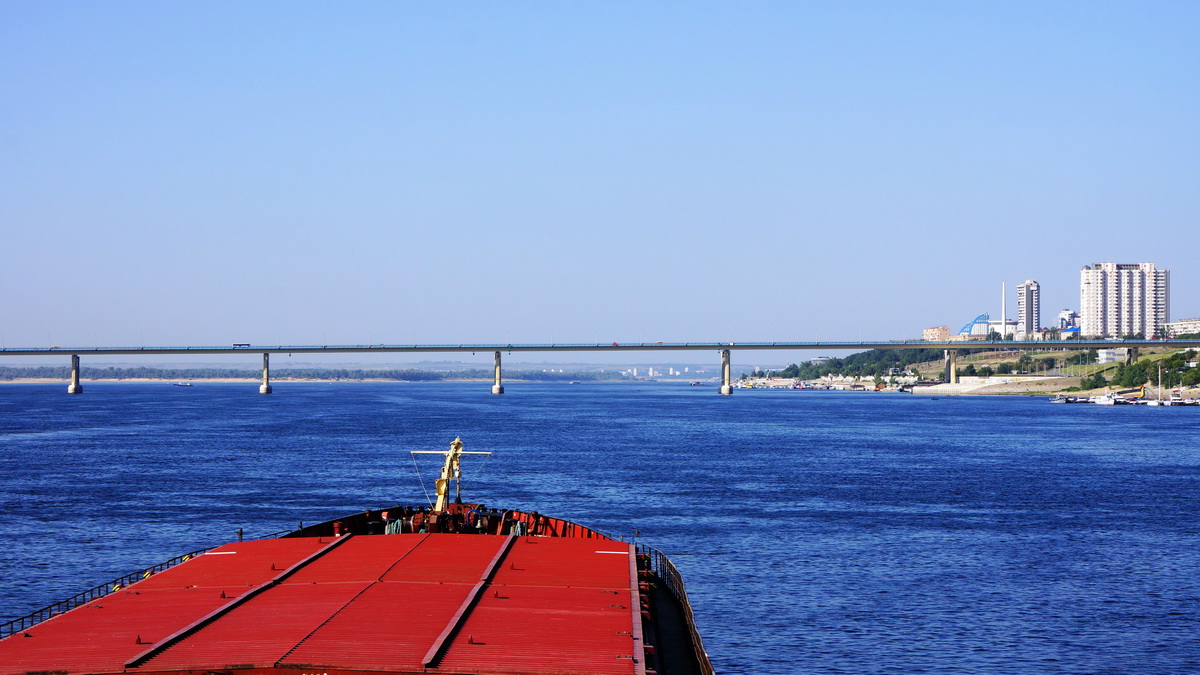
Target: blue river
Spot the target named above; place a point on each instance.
(818, 532)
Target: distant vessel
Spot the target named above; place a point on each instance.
(183, 384)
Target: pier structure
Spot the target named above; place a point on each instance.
(950, 351)
(265, 387)
(75, 387)
(950, 357)
(726, 385)
(497, 387)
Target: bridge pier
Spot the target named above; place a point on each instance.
(1131, 356)
(75, 387)
(497, 388)
(951, 359)
(265, 388)
(726, 387)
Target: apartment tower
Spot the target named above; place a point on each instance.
(1118, 299)
(1029, 308)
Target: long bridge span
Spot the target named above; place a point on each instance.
(725, 349)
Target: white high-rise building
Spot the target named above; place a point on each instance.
(1118, 299)
(1029, 308)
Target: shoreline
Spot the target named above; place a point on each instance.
(999, 389)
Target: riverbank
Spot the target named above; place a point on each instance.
(1037, 389)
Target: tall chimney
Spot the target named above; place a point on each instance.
(1003, 310)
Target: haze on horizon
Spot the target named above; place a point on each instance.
(306, 173)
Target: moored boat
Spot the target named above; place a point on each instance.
(452, 588)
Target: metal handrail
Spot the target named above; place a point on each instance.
(51, 611)
(664, 569)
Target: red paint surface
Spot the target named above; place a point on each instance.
(375, 603)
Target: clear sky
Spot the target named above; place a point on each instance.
(296, 173)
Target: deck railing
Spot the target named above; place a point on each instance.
(665, 570)
(51, 611)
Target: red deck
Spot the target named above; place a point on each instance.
(405, 603)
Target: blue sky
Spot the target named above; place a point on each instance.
(209, 173)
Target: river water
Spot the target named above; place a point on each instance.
(818, 532)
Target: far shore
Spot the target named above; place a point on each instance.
(1047, 387)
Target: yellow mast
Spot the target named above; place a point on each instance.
(451, 470)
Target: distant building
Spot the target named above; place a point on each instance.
(1029, 310)
(1068, 318)
(936, 334)
(1123, 299)
(1003, 327)
(1184, 327)
(977, 327)
(1118, 355)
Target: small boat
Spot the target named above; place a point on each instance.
(453, 588)
(183, 384)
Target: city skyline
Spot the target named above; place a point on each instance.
(1115, 298)
(273, 173)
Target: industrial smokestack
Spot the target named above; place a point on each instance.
(1003, 310)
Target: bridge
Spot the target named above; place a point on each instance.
(950, 351)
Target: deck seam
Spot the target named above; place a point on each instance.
(443, 640)
(188, 630)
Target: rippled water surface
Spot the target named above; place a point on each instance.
(818, 532)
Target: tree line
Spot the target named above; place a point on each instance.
(871, 363)
(882, 362)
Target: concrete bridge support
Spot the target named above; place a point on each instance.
(75, 387)
(951, 359)
(1131, 356)
(497, 388)
(266, 385)
(726, 385)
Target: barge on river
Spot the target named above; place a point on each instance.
(453, 588)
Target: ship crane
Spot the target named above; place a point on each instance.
(451, 470)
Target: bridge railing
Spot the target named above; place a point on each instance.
(914, 343)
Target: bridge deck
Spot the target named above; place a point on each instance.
(611, 347)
